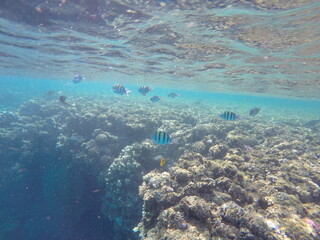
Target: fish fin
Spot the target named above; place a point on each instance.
(127, 92)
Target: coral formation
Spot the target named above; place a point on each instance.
(249, 179)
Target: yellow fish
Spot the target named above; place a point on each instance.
(162, 161)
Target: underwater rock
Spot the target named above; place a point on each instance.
(199, 147)
(30, 108)
(101, 139)
(123, 176)
(264, 202)
(195, 207)
(233, 213)
(182, 176)
(202, 130)
(218, 151)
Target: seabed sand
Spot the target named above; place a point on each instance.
(255, 178)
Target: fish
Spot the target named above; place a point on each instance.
(161, 137)
(254, 111)
(49, 93)
(162, 161)
(120, 89)
(155, 99)
(229, 116)
(312, 123)
(77, 79)
(62, 99)
(144, 90)
(13, 149)
(173, 95)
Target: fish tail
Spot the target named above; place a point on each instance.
(127, 92)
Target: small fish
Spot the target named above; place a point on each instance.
(162, 138)
(254, 111)
(77, 79)
(120, 89)
(21, 170)
(312, 123)
(144, 90)
(162, 161)
(155, 99)
(173, 95)
(49, 93)
(62, 99)
(229, 116)
(13, 148)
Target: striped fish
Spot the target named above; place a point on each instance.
(162, 138)
(120, 89)
(155, 99)
(144, 90)
(77, 79)
(229, 116)
(173, 95)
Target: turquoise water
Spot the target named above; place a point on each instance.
(16, 90)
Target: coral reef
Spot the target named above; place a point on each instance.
(253, 182)
(250, 179)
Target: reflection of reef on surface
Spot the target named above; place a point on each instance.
(276, 4)
(91, 163)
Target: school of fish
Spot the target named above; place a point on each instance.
(160, 137)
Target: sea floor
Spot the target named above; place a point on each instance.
(88, 169)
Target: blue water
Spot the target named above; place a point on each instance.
(15, 90)
(217, 55)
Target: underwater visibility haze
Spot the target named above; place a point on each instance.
(159, 120)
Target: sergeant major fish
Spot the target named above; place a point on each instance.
(144, 90)
(161, 137)
(254, 111)
(155, 99)
(63, 99)
(77, 79)
(120, 89)
(229, 116)
(173, 95)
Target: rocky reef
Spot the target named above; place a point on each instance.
(90, 165)
(254, 182)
